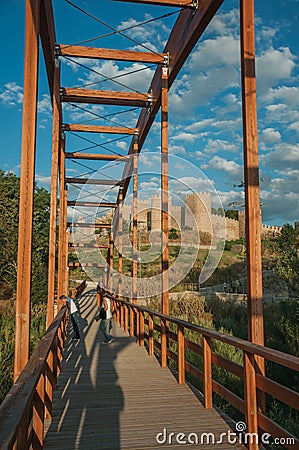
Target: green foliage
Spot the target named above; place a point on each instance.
(173, 234)
(9, 218)
(284, 249)
(231, 214)
(7, 338)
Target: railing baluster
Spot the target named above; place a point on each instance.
(126, 319)
(131, 321)
(49, 385)
(150, 335)
(207, 371)
(163, 343)
(181, 355)
(141, 328)
(38, 415)
(251, 399)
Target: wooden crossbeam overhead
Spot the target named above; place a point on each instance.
(96, 204)
(89, 225)
(115, 55)
(186, 31)
(78, 245)
(177, 3)
(91, 96)
(92, 181)
(95, 156)
(98, 129)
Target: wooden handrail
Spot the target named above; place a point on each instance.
(253, 381)
(28, 390)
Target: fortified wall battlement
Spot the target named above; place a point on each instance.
(197, 213)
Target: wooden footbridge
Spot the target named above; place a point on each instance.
(82, 394)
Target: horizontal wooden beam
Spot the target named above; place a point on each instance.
(98, 129)
(95, 156)
(177, 3)
(92, 181)
(115, 55)
(79, 95)
(79, 245)
(89, 225)
(96, 204)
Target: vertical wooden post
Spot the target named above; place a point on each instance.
(164, 188)
(132, 324)
(135, 219)
(22, 340)
(150, 335)
(66, 248)
(53, 201)
(141, 328)
(120, 241)
(163, 343)
(251, 400)
(38, 415)
(164, 211)
(49, 385)
(251, 179)
(62, 222)
(126, 325)
(111, 248)
(207, 372)
(181, 355)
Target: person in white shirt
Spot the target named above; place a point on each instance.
(105, 315)
(73, 309)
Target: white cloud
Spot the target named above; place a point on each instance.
(216, 145)
(177, 150)
(44, 105)
(285, 156)
(272, 66)
(122, 145)
(12, 95)
(149, 185)
(271, 136)
(232, 168)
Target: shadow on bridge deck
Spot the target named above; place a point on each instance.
(117, 397)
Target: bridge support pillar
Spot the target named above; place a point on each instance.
(53, 202)
(135, 220)
(251, 180)
(22, 340)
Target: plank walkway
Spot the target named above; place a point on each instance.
(117, 397)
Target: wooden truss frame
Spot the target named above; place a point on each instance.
(192, 21)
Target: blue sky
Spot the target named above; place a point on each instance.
(204, 102)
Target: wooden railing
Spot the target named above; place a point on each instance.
(166, 335)
(29, 401)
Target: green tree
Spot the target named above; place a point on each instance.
(286, 252)
(9, 218)
(232, 213)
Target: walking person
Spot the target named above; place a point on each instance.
(73, 310)
(105, 314)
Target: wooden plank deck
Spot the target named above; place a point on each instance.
(115, 396)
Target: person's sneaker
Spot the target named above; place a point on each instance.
(111, 340)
